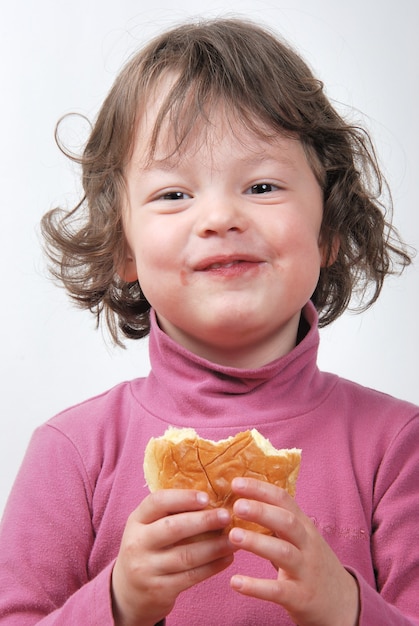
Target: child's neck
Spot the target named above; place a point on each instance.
(251, 354)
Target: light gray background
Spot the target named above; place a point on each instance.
(57, 57)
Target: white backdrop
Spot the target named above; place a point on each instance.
(57, 57)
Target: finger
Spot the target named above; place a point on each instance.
(184, 580)
(167, 502)
(282, 522)
(191, 556)
(262, 491)
(176, 528)
(263, 589)
(282, 554)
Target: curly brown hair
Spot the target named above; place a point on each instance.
(265, 84)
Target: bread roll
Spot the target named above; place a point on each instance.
(180, 459)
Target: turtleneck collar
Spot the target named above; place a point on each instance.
(184, 389)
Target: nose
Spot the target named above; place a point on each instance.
(219, 215)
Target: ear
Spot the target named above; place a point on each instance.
(329, 254)
(127, 270)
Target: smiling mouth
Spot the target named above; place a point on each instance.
(233, 268)
(229, 265)
(216, 266)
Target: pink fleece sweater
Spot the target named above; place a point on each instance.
(82, 476)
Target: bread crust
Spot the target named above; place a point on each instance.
(180, 459)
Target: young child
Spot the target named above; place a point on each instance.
(230, 211)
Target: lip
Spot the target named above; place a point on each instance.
(226, 262)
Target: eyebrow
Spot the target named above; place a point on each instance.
(171, 162)
(165, 165)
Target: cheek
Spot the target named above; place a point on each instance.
(299, 235)
(156, 263)
(299, 256)
(146, 243)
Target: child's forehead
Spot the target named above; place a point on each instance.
(166, 141)
(222, 153)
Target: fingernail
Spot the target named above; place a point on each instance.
(223, 515)
(239, 483)
(202, 497)
(241, 507)
(237, 535)
(236, 582)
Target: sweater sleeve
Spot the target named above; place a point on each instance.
(46, 537)
(395, 536)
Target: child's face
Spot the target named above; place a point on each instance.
(224, 240)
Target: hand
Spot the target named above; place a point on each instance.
(153, 567)
(312, 584)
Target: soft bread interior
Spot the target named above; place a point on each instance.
(181, 459)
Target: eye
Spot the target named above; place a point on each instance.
(175, 195)
(262, 188)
